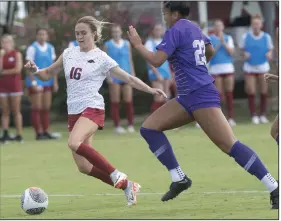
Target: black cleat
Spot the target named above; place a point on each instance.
(18, 138)
(41, 137)
(274, 198)
(49, 136)
(176, 188)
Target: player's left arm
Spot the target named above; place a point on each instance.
(209, 52)
(135, 82)
(154, 58)
(17, 68)
(270, 47)
(131, 61)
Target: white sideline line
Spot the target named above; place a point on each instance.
(147, 194)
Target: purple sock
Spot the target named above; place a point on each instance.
(277, 139)
(160, 147)
(248, 159)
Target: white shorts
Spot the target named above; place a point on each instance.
(257, 69)
(11, 94)
(218, 69)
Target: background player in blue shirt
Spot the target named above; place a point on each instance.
(40, 92)
(120, 50)
(159, 77)
(258, 50)
(185, 47)
(221, 67)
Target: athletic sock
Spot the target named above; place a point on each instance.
(249, 160)
(95, 158)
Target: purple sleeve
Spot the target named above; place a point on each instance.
(206, 40)
(170, 42)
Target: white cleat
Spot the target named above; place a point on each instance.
(197, 125)
(118, 178)
(131, 129)
(131, 192)
(120, 130)
(231, 122)
(263, 119)
(255, 120)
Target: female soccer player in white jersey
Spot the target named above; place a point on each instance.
(258, 50)
(85, 68)
(188, 50)
(119, 50)
(222, 68)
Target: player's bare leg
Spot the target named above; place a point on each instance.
(169, 116)
(85, 128)
(36, 106)
(127, 94)
(115, 95)
(45, 113)
(157, 100)
(5, 118)
(228, 82)
(250, 88)
(263, 86)
(15, 106)
(275, 129)
(222, 135)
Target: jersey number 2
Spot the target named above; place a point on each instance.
(200, 52)
(75, 73)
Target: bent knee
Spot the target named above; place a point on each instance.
(73, 144)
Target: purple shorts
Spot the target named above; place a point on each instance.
(206, 96)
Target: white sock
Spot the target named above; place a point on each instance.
(113, 174)
(177, 174)
(269, 182)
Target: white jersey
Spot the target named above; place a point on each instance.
(84, 74)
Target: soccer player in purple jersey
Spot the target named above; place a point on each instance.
(188, 50)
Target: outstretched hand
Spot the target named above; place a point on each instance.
(159, 92)
(270, 77)
(31, 66)
(134, 37)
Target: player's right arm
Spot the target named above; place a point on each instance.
(46, 73)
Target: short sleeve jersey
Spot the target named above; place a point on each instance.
(184, 43)
(84, 74)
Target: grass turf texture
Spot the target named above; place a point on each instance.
(218, 190)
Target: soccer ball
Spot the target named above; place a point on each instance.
(34, 201)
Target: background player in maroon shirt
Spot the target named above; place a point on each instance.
(10, 87)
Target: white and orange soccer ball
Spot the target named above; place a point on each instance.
(34, 201)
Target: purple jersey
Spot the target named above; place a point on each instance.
(184, 43)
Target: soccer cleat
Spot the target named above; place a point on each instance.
(131, 192)
(176, 188)
(231, 122)
(41, 137)
(197, 125)
(274, 198)
(131, 129)
(118, 179)
(264, 120)
(120, 130)
(19, 139)
(49, 136)
(255, 120)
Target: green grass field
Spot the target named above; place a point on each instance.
(221, 189)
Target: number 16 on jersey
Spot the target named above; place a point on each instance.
(75, 73)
